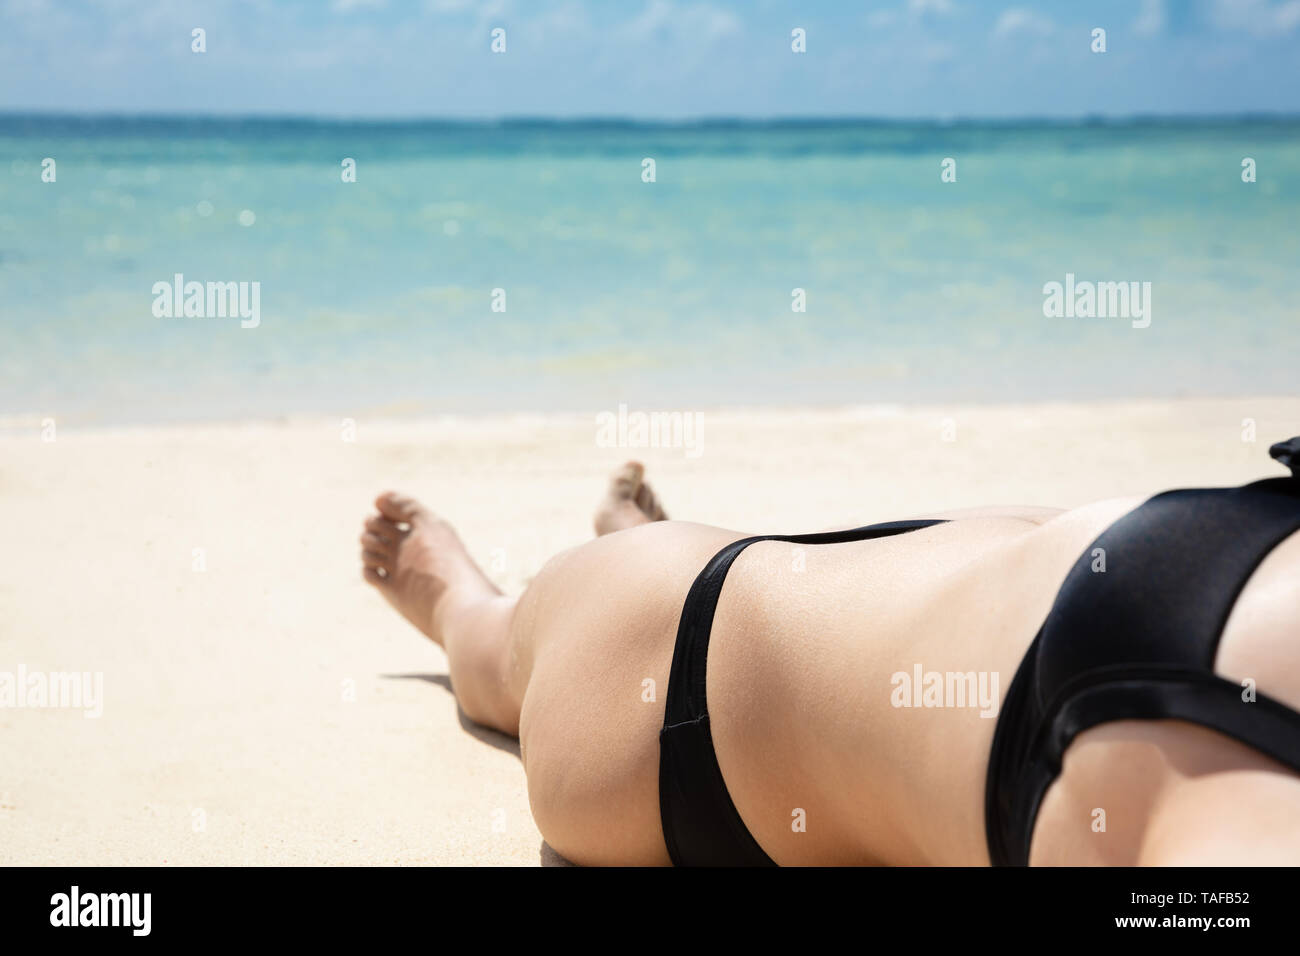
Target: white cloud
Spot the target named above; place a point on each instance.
(1151, 18)
(930, 6)
(1021, 20)
(1259, 18)
(912, 11)
(483, 10)
(701, 20)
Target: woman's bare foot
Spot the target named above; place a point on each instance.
(417, 561)
(629, 501)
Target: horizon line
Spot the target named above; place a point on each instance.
(609, 120)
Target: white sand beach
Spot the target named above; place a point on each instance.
(261, 705)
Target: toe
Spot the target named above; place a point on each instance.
(373, 576)
(627, 480)
(395, 507)
(383, 529)
(373, 559)
(375, 544)
(648, 502)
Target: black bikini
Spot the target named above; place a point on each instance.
(1132, 635)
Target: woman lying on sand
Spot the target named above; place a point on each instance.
(1152, 718)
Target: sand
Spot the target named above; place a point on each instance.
(261, 705)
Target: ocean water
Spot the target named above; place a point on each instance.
(376, 296)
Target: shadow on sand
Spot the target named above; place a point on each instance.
(487, 735)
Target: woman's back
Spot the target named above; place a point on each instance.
(875, 671)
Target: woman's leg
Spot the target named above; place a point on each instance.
(576, 666)
(418, 563)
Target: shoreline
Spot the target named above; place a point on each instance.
(20, 425)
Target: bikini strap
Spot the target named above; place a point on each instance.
(690, 659)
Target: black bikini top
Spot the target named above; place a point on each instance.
(1134, 633)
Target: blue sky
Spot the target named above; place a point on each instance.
(651, 58)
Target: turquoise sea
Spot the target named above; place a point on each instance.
(376, 296)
